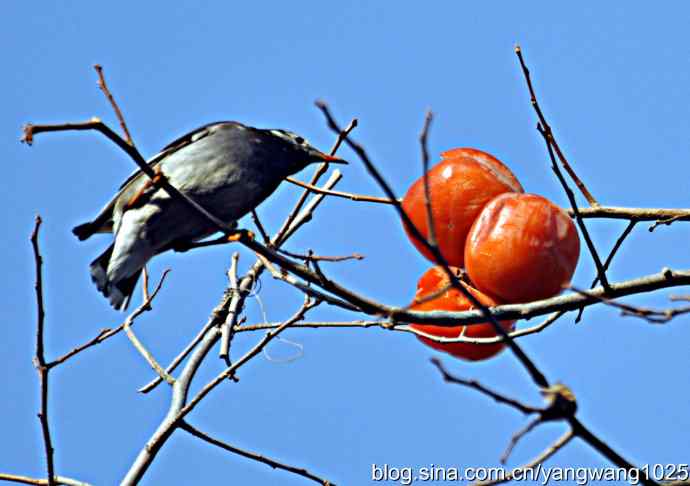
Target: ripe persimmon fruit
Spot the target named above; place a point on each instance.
(460, 186)
(521, 248)
(433, 281)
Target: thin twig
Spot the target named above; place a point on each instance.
(425, 175)
(628, 229)
(654, 316)
(430, 296)
(665, 222)
(601, 271)
(103, 335)
(321, 258)
(252, 455)
(285, 277)
(547, 453)
(120, 118)
(146, 306)
(216, 319)
(315, 325)
(39, 358)
(525, 409)
(321, 169)
(519, 435)
(579, 430)
(346, 195)
(179, 358)
(549, 133)
(100, 337)
(305, 214)
(260, 227)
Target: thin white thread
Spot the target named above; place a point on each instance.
(264, 351)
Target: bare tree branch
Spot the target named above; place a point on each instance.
(549, 133)
(188, 349)
(605, 450)
(664, 279)
(316, 325)
(227, 329)
(654, 316)
(39, 358)
(320, 258)
(628, 229)
(102, 336)
(58, 480)
(425, 177)
(104, 87)
(525, 409)
(346, 195)
(285, 277)
(635, 214)
(146, 306)
(253, 455)
(547, 453)
(519, 435)
(259, 226)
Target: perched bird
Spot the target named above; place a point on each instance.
(226, 167)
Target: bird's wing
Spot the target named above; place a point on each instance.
(173, 146)
(103, 222)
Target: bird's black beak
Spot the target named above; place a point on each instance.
(331, 159)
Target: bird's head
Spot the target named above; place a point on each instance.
(297, 151)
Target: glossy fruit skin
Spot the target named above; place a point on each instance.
(453, 300)
(521, 248)
(460, 185)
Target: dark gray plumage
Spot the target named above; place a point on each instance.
(227, 167)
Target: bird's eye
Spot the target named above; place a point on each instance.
(299, 140)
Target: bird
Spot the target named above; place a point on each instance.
(227, 167)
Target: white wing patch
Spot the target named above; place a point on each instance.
(291, 137)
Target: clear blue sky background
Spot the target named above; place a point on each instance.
(613, 81)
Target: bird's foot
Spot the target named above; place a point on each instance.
(240, 234)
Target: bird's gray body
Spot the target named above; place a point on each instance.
(226, 167)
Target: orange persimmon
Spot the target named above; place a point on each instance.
(460, 186)
(433, 281)
(521, 248)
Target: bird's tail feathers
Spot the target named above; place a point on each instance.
(118, 293)
(84, 231)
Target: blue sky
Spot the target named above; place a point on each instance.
(613, 80)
